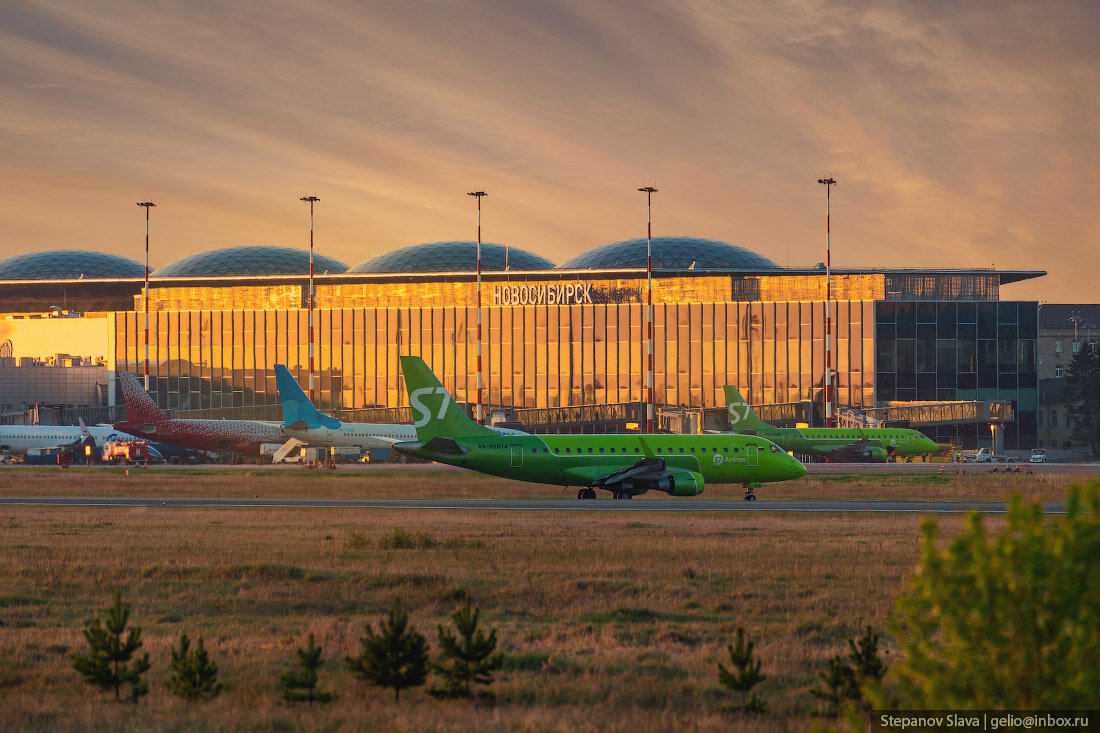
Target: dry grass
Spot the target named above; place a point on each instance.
(609, 622)
(432, 481)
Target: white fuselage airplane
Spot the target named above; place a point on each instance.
(301, 420)
(21, 438)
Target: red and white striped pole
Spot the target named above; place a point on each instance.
(311, 200)
(649, 191)
(828, 183)
(146, 205)
(478, 195)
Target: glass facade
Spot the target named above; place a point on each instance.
(942, 350)
(536, 356)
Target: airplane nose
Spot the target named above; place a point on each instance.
(409, 447)
(797, 469)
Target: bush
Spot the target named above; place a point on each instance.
(396, 657)
(467, 658)
(744, 675)
(1009, 622)
(194, 675)
(301, 685)
(107, 663)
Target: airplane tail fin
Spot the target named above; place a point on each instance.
(298, 412)
(434, 410)
(742, 416)
(139, 405)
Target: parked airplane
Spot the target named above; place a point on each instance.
(303, 421)
(18, 439)
(145, 419)
(841, 444)
(625, 464)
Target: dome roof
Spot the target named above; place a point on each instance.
(455, 256)
(253, 260)
(671, 253)
(68, 264)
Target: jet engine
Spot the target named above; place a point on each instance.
(680, 482)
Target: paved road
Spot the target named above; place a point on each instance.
(1070, 469)
(655, 504)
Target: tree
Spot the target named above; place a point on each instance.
(107, 663)
(395, 657)
(1008, 622)
(1082, 396)
(467, 660)
(301, 684)
(194, 675)
(744, 675)
(846, 678)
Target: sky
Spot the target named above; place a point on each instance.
(960, 134)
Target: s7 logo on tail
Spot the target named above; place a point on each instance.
(423, 414)
(734, 407)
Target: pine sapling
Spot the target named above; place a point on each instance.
(396, 657)
(107, 663)
(194, 675)
(840, 685)
(744, 675)
(301, 684)
(468, 657)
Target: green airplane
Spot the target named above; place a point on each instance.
(874, 445)
(625, 465)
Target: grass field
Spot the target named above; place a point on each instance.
(607, 622)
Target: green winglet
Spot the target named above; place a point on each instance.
(645, 448)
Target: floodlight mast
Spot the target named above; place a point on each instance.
(478, 195)
(311, 200)
(828, 183)
(146, 205)
(649, 191)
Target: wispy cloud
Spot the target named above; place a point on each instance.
(961, 134)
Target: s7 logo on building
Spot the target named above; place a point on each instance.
(423, 413)
(733, 410)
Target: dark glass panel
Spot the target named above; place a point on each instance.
(926, 312)
(1028, 320)
(987, 318)
(885, 312)
(1006, 311)
(946, 320)
(968, 312)
(907, 362)
(926, 348)
(907, 320)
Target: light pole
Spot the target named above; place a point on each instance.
(649, 191)
(146, 205)
(828, 183)
(311, 200)
(478, 195)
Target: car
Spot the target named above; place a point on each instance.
(1038, 455)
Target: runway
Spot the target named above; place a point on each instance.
(655, 504)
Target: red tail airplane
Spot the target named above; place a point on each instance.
(146, 420)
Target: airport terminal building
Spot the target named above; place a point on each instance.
(564, 336)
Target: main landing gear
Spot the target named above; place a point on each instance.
(590, 493)
(750, 488)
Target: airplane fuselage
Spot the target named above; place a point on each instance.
(580, 460)
(240, 436)
(21, 438)
(821, 441)
(363, 435)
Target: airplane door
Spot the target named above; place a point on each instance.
(517, 456)
(752, 457)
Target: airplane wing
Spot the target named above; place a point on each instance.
(644, 471)
(858, 451)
